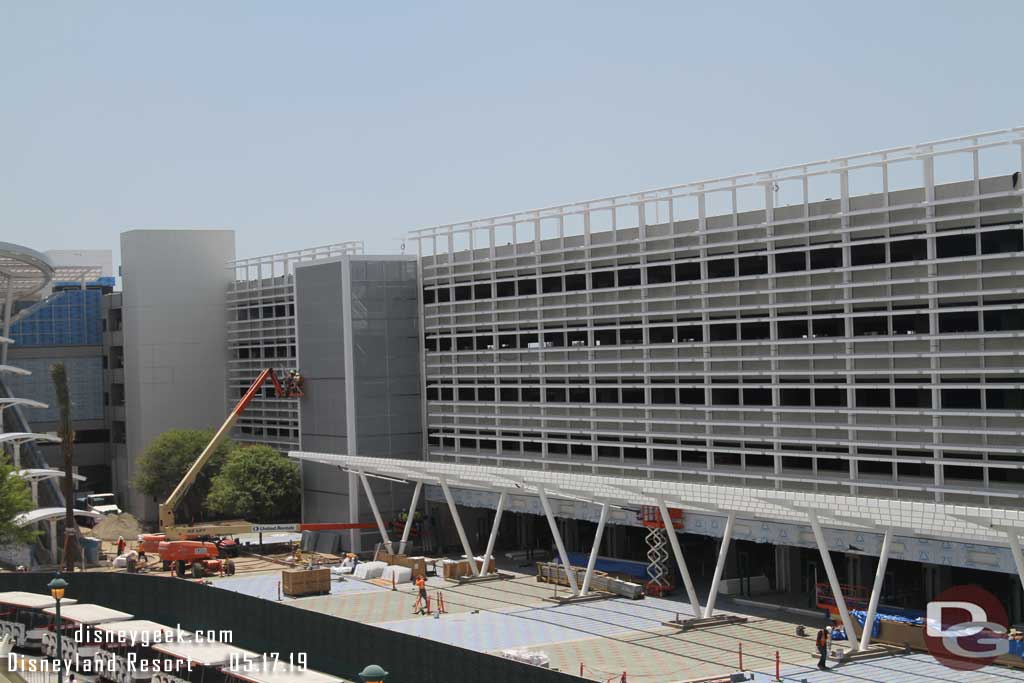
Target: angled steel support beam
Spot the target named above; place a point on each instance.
(592, 562)
(1013, 535)
(876, 591)
(376, 512)
(569, 573)
(723, 552)
(410, 518)
(833, 580)
(458, 527)
(673, 540)
(489, 553)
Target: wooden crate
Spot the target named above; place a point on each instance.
(296, 582)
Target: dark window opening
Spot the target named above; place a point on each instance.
(826, 258)
(603, 279)
(1002, 241)
(727, 459)
(464, 343)
(444, 343)
(631, 336)
(629, 277)
(662, 335)
(913, 398)
(965, 321)
(1004, 399)
(482, 291)
(875, 467)
(908, 250)
(962, 472)
(760, 460)
(872, 398)
(554, 338)
(484, 342)
(432, 393)
(444, 295)
(725, 397)
(555, 394)
(509, 394)
(795, 397)
(463, 293)
(485, 394)
(795, 462)
(632, 395)
(830, 398)
(687, 271)
(506, 289)
(691, 396)
(605, 338)
(1004, 320)
(447, 394)
(723, 332)
(531, 394)
(528, 340)
(792, 329)
(657, 275)
(870, 326)
(506, 341)
(691, 333)
(757, 397)
(575, 282)
(721, 268)
(579, 394)
(754, 331)
(467, 394)
(968, 399)
(828, 327)
(527, 287)
(607, 395)
(753, 265)
(867, 254)
(576, 337)
(663, 395)
(552, 284)
(791, 262)
(953, 246)
(428, 297)
(910, 324)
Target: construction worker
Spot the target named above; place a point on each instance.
(120, 545)
(421, 586)
(821, 642)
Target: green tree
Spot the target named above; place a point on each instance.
(257, 483)
(165, 462)
(15, 499)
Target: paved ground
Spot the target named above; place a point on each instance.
(607, 637)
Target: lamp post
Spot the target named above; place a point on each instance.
(373, 674)
(57, 586)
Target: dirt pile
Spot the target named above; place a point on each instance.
(109, 527)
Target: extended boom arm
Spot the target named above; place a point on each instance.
(168, 506)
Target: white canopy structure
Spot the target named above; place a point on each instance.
(886, 516)
(32, 600)
(25, 402)
(89, 614)
(46, 514)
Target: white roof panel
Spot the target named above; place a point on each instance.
(32, 600)
(89, 614)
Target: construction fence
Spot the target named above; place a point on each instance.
(333, 645)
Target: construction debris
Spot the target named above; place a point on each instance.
(110, 527)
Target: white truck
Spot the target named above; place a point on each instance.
(103, 503)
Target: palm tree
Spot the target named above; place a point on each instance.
(67, 445)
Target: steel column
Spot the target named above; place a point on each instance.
(833, 580)
(673, 540)
(594, 550)
(409, 519)
(876, 591)
(458, 527)
(723, 552)
(569, 574)
(376, 512)
(1018, 557)
(494, 532)
(8, 302)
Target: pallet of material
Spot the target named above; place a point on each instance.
(299, 582)
(418, 565)
(549, 572)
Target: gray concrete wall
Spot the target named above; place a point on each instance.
(358, 341)
(175, 339)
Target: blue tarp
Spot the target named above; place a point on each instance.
(861, 615)
(611, 564)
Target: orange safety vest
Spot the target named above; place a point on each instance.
(822, 639)
(420, 583)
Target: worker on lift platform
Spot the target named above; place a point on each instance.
(293, 384)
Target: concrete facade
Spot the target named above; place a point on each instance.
(175, 340)
(358, 342)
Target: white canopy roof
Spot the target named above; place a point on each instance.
(43, 514)
(27, 402)
(278, 672)
(20, 437)
(10, 368)
(32, 600)
(932, 520)
(206, 653)
(43, 473)
(27, 270)
(89, 614)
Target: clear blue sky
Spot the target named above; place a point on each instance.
(305, 123)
